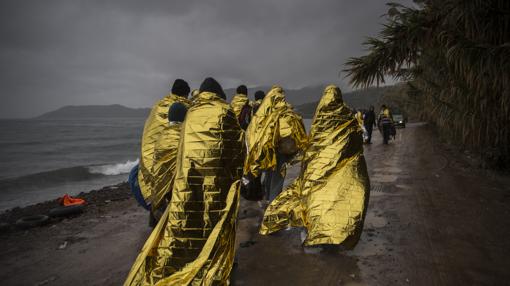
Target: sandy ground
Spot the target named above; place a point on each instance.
(433, 219)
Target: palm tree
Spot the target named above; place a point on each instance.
(455, 57)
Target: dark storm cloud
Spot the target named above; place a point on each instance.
(55, 53)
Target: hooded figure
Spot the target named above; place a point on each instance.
(275, 133)
(193, 243)
(259, 96)
(239, 100)
(330, 196)
(154, 125)
(165, 155)
(194, 94)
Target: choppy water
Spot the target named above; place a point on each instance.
(44, 159)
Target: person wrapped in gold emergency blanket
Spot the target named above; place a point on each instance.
(193, 243)
(275, 134)
(154, 125)
(165, 159)
(330, 196)
(239, 100)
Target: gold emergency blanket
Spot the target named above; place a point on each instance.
(237, 103)
(193, 244)
(274, 120)
(165, 156)
(330, 196)
(155, 123)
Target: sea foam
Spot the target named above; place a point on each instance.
(113, 169)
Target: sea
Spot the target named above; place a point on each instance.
(44, 159)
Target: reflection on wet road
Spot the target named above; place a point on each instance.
(431, 221)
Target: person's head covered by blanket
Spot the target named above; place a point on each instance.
(275, 134)
(330, 196)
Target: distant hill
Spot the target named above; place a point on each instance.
(357, 99)
(304, 100)
(95, 111)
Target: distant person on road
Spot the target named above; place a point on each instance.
(385, 122)
(369, 122)
(275, 135)
(194, 242)
(330, 196)
(154, 125)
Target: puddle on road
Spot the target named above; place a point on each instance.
(405, 187)
(374, 221)
(371, 241)
(383, 178)
(392, 170)
(386, 175)
(280, 259)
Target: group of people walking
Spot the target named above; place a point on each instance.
(200, 154)
(384, 121)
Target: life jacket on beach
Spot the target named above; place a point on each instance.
(67, 200)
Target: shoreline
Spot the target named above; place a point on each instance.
(96, 200)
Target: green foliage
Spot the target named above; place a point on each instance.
(455, 55)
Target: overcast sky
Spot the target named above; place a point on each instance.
(56, 53)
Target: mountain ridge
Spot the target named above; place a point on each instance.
(304, 101)
(94, 111)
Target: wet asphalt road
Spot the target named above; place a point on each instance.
(433, 219)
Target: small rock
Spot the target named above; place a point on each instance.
(63, 245)
(108, 201)
(46, 281)
(352, 275)
(407, 280)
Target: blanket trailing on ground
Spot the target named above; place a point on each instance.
(193, 244)
(330, 196)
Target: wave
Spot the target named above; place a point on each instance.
(114, 169)
(64, 176)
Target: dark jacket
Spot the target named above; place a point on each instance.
(369, 118)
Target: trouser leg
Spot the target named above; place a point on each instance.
(369, 133)
(267, 183)
(386, 133)
(277, 180)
